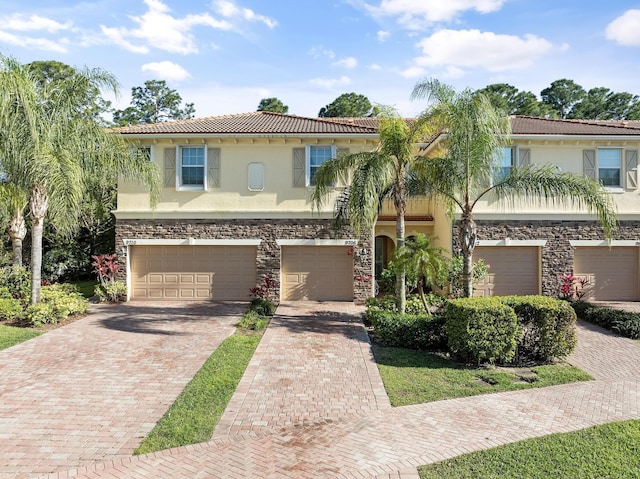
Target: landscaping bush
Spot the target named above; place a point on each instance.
(412, 331)
(413, 306)
(620, 322)
(10, 309)
(64, 301)
(17, 281)
(262, 307)
(547, 325)
(41, 313)
(111, 292)
(481, 330)
(253, 321)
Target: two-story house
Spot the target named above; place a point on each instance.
(235, 208)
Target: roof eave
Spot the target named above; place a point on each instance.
(246, 135)
(581, 137)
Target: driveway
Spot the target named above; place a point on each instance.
(93, 389)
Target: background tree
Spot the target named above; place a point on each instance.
(50, 150)
(273, 105)
(562, 96)
(347, 105)
(463, 171)
(603, 104)
(373, 177)
(515, 102)
(153, 103)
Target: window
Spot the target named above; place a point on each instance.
(504, 162)
(316, 156)
(143, 152)
(255, 176)
(192, 167)
(609, 166)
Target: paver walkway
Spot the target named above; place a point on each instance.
(91, 390)
(371, 440)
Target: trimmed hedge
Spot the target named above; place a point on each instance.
(623, 323)
(481, 330)
(412, 331)
(547, 325)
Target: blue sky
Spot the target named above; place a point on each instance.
(225, 55)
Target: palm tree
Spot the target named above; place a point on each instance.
(14, 200)
(50, 148)
(424, 262)
(464, 168)
(375, 176)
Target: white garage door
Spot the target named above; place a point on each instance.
(192, 272)
(512, 270)
(317, 273)
(612, 272)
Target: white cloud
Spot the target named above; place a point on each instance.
(348, 62)
(374, 67)
(166, 70)
(383, 36)
(230, 10)
(331, 82)
(320, 51)
(33, 43)
(23, 23)
(159, 29)
(413, 72)
(625, 29)
(416, 14)
(462, 49)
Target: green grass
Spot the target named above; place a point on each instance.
(86, 288)
(10, 335)
(414, 377)
(195, 413)
(607, 451)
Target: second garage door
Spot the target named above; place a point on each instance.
(192, 272)
(317, 273)
(512, 270)
(612, 272)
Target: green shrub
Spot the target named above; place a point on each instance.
(620, 322)
(112, 292)
(580, 307)
(262, 307)
(10, 309)
(41, 313)
(481, 330)
(63, 301)
(548, 327)
(412, 331)
(5, 293)
(253, 321)
(17, 281)
(413, 306)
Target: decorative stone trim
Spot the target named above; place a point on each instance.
(267, 234)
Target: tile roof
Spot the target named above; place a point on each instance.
(525, 125)
(255, 123)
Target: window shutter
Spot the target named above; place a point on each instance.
(589, 163)
(299, 167)
(213, 167)
(170, 167)
(525, 157)
(631, 168)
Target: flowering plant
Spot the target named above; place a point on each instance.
(263, 291)
(572, 287)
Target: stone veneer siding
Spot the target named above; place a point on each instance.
(268, 254)
(557, 255)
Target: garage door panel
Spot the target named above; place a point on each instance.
(317, 273)
(513, 270)
(612, 273)
(193, 272)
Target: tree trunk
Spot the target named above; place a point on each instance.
(39, 204)
(401, 293)
(422, 297)
(468, 237)
(17, 232)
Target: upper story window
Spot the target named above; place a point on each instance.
(316, 156)
(610, 166)
(192, 167)
(143, 152)
(504, 162)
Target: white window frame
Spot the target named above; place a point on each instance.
(334, 150)
(621, 150)
(179, 185)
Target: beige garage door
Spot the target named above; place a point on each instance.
(317, 273)
(612, 272)
(513, 270)
(192, 272)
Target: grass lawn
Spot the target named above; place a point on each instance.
(414, 377)
(195, 413)
(10, 335)
(607, 451)
(85, 287)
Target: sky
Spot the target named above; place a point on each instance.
(226, 55)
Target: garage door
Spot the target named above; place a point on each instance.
(512, 270)
(317, 273)
(612, 272)
(192, 272)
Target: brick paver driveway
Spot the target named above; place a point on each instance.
(91, 390)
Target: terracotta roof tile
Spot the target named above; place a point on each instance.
(257, 123)
(525, 125)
